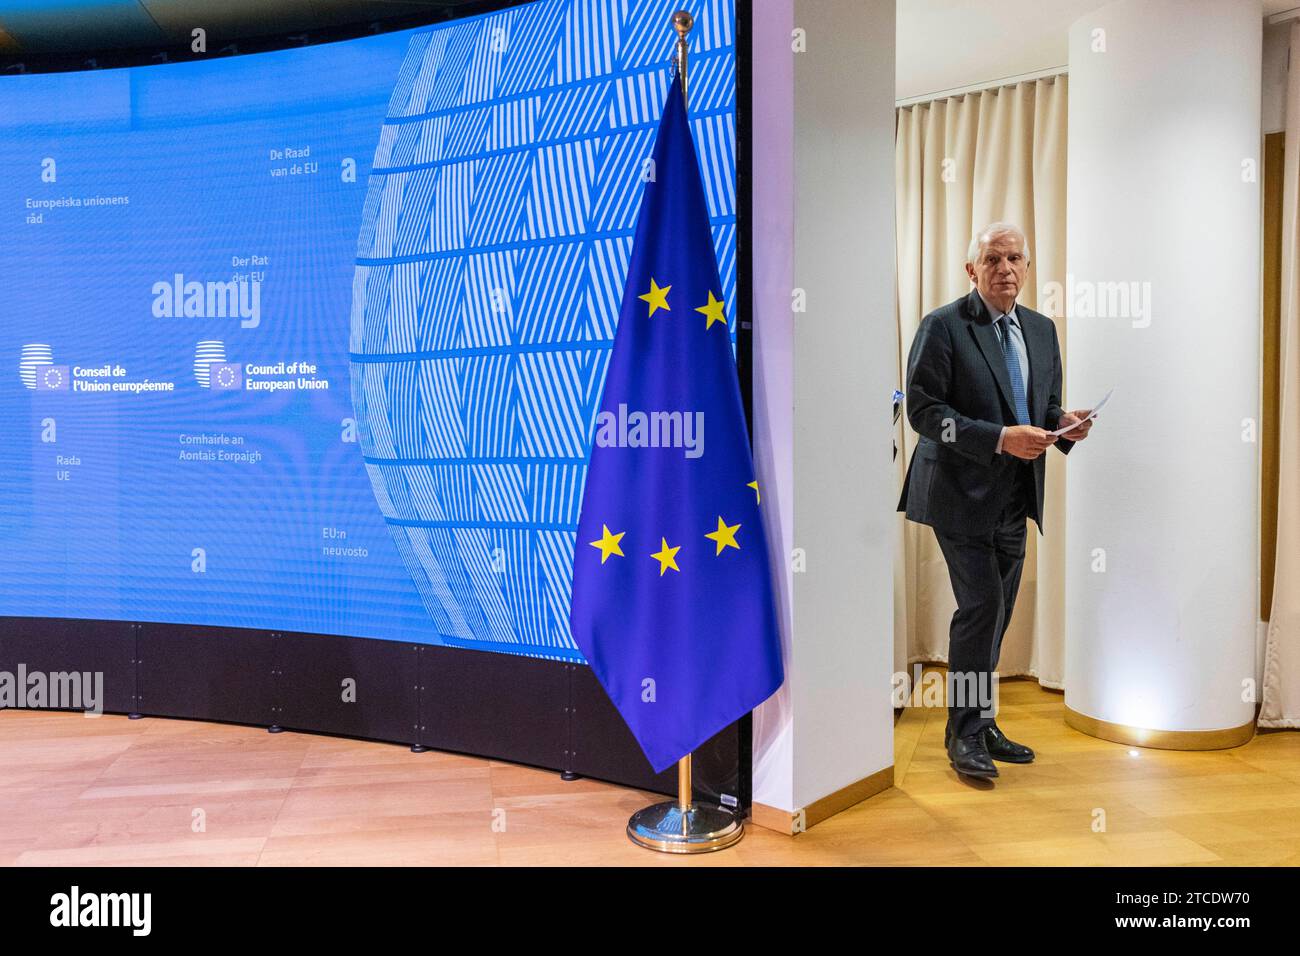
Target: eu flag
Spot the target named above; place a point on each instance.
(672, 595)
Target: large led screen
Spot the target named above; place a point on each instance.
(313, 340)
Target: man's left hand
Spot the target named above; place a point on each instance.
(1076, 418)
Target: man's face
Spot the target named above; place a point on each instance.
(999, 273)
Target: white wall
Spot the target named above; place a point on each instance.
(833, 724)
(773, 217)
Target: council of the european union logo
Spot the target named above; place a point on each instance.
(33, 357)
(206, 354)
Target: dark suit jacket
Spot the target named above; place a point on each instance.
(957, 371)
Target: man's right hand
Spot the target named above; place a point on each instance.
(1027, 441)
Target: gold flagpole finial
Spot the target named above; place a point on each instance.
(682, 23)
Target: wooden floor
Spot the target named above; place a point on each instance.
(114, 791)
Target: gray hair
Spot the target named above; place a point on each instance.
(996, 229)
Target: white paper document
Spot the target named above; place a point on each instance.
(1091, 415)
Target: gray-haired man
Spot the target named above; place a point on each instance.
(983, 392)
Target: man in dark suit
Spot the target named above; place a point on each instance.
(984, 393)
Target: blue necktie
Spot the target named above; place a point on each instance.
(1011, 352)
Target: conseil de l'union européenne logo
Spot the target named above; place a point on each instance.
(37, 370)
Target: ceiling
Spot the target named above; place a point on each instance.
(947, 44)
(34, 27)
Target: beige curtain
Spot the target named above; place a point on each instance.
(1281, 697)
(961, 163)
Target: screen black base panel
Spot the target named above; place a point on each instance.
(524, 710)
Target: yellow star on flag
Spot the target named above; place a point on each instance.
(713, 311)
(725, 536)
(754, 484)
(657, 297)
(608, 543)
(666, 556)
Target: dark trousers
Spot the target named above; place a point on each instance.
(985, 574)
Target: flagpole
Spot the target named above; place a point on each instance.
(682, 23)
(684, 826)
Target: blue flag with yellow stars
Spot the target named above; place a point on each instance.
(672, 594)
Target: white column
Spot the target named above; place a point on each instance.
(824, 223)
(1163, 303)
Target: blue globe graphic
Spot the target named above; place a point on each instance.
(494, 244)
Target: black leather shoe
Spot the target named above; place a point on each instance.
(969, 756)
(1004, 749)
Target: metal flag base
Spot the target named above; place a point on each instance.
(698, 828)
(682, 825)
